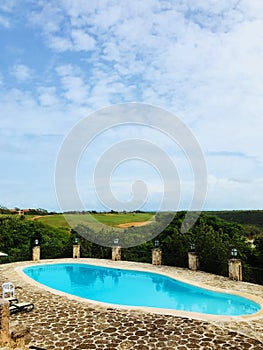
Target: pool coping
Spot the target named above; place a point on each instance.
(167, 271)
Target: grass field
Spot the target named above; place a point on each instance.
(117, 219)
(57, 220)
(112, 220)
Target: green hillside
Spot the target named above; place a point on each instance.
(109, 219)
(244, 217)
(56, 220)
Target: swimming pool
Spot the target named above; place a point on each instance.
(137, 288)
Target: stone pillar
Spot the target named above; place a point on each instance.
(20, 337)
(193, 261)
(36, 253)
(11, 337)
(116, 253)
(4, 323)
(76, 251)
(235, 269)
(157, 256)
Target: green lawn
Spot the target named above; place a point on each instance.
(117, 219)
(57, 220)
(113, 220)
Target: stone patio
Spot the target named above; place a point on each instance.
(64, 322)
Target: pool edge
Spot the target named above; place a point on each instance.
(146, 268)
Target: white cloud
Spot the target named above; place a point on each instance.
(7, 5)
(236, 167)
(4, 21)
(240, 195)
(48, 97)
(75, 89)
(59, 44)
(22, 72)
(21, 114)
(48, 16)
(78, 40)
(82, 41)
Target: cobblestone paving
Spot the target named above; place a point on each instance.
(59, 322)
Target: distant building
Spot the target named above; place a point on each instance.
(19, 211)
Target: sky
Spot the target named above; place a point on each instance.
(64, 60)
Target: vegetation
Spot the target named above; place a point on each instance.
(213, 238)
(245, 217)
(17, 235)
(4, 210)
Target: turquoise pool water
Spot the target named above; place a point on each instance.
(136, 288)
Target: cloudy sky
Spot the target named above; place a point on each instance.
(62, 60)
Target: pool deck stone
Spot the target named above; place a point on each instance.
(64, 322)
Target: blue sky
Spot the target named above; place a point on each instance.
(64, 59)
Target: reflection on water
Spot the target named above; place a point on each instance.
(81, 275)
(137, 288)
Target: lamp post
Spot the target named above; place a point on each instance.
(235, 266)
(156, 253)
(36, 250)
(76, 248)
(156, 243)
(234, 253)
